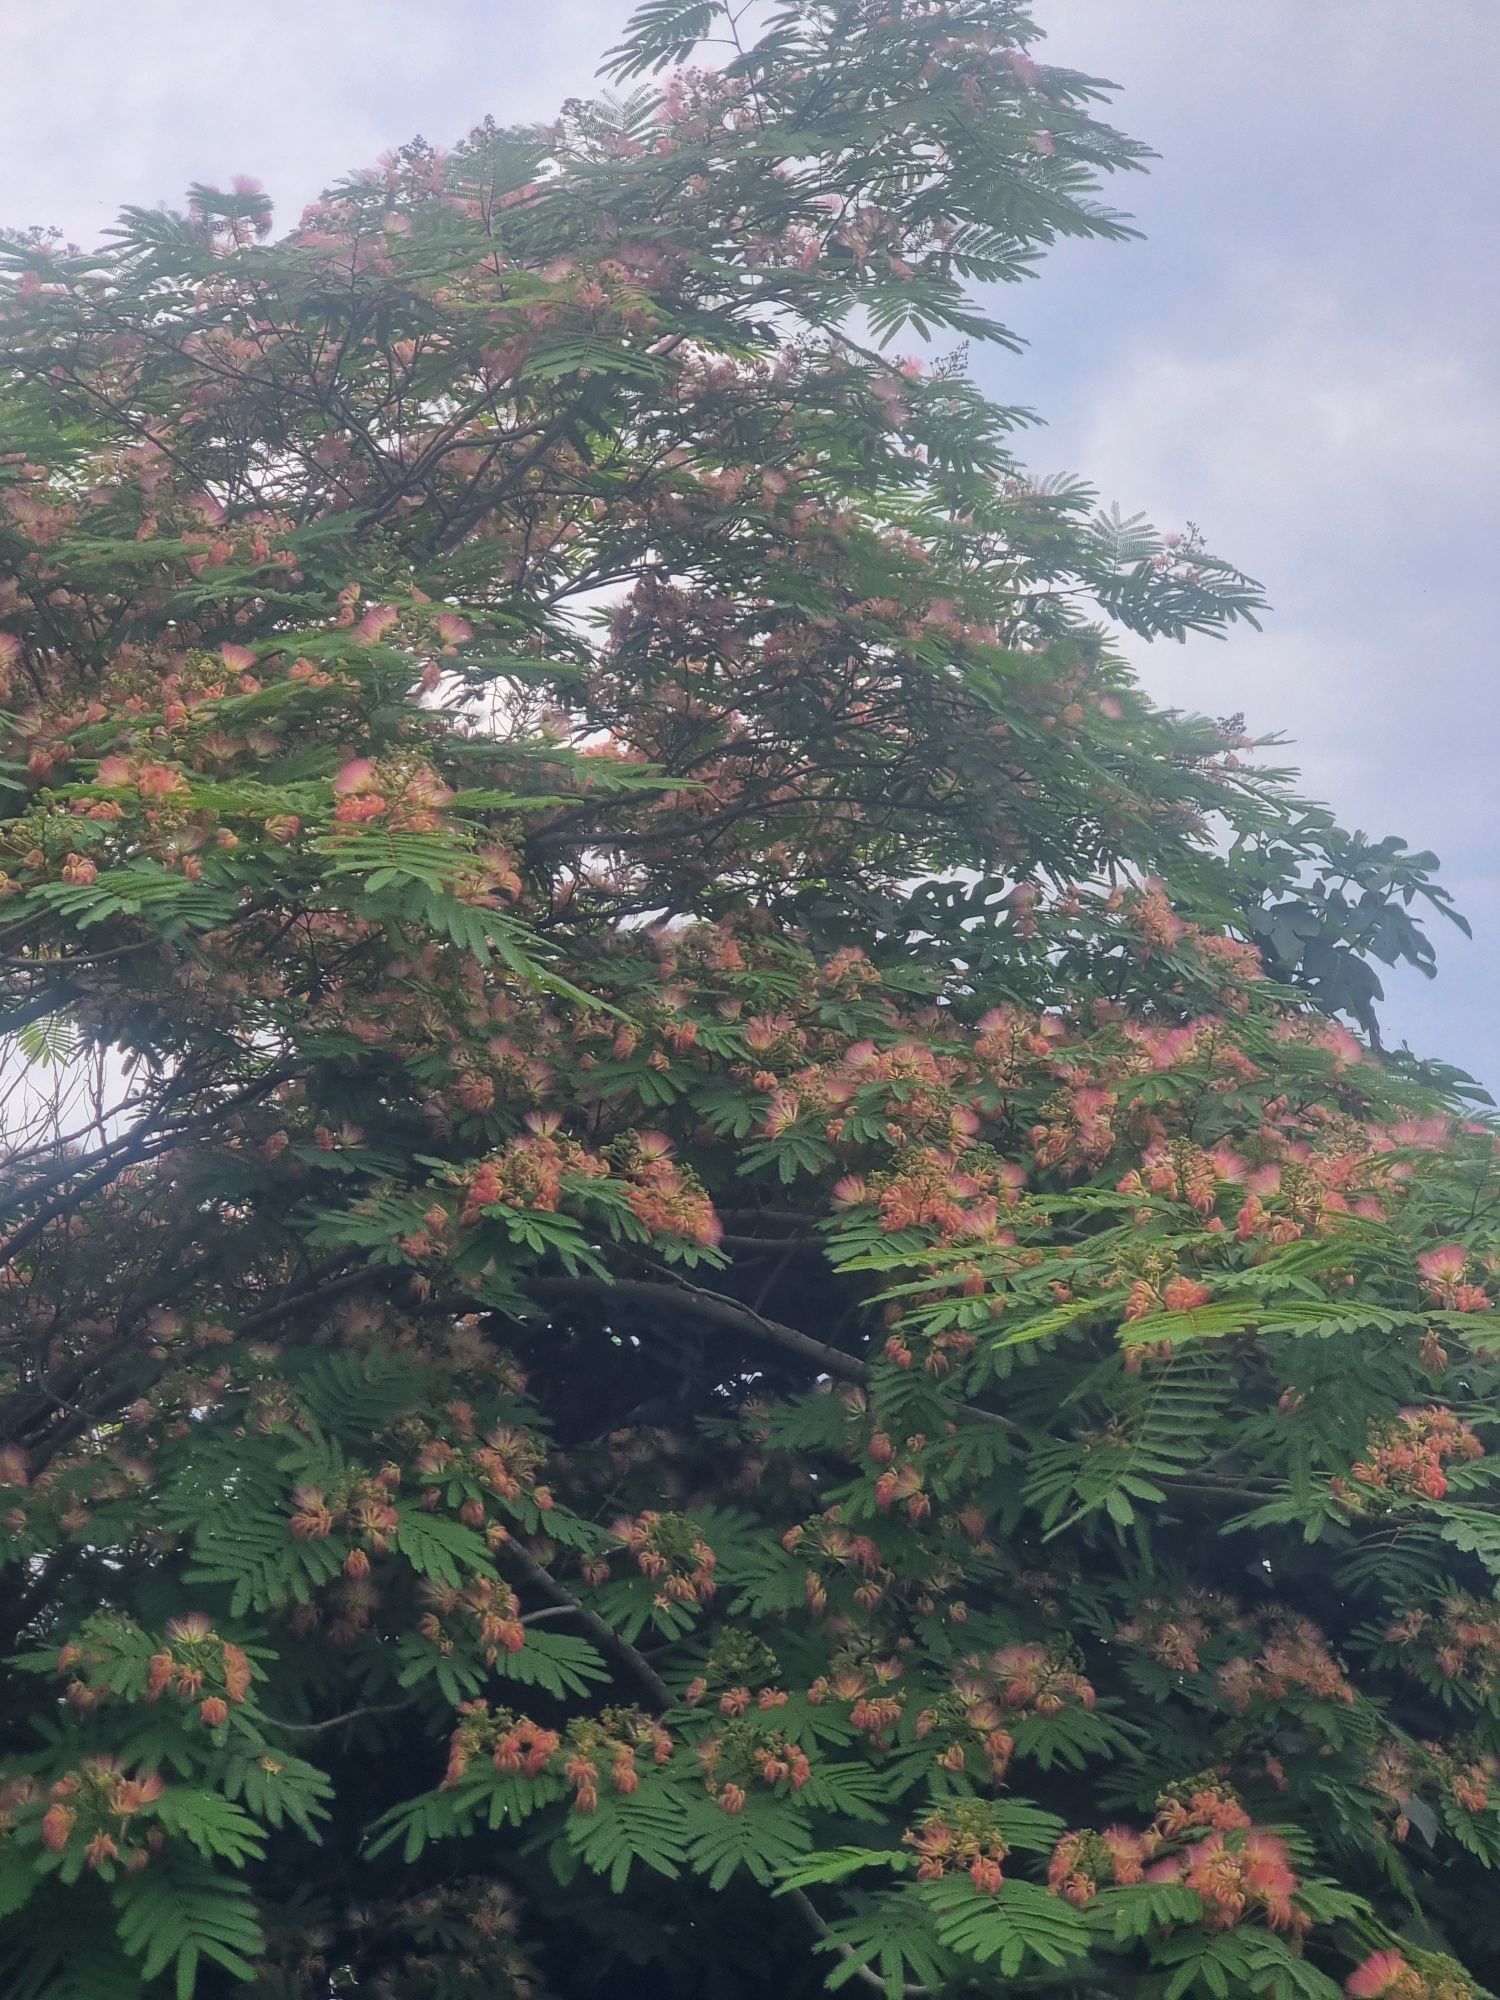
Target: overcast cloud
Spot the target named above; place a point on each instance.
(1300, 357)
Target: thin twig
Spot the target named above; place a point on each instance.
(547, 1585)
(865, 1973)
(337, 1721)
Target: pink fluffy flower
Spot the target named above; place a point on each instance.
(1444, 1266)
(1374, 1975)
(358, 775)
(376, 622)
(451, 629)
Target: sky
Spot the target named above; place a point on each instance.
(1300, 356)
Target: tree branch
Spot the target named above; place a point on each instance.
(337, 1721)
(546, 1585)
(143, 1142)
(39, 1006)
(866, 1974)
(715, 1307)
(724, 1311)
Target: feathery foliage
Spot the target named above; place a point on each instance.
(697, 1290)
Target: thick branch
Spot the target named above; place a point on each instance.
(324, 1288)
(723, 1311)
(38, 1007)
(715, 1307)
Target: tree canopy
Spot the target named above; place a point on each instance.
(698, 1292)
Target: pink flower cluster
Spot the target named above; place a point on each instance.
(1408, 1455)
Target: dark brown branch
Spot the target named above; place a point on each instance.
(144, 1142)
(139, 1145)
(38, 1007)
(20, 1413)
(722, 1311)
(318, 1293)
(718, 1309)
(546, 1585)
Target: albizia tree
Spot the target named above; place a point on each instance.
(730, 1315)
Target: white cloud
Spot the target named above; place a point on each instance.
(1338, 467)
(1307, 413)
(112, 101)
(1355, 474)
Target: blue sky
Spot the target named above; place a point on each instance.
(1301, 355)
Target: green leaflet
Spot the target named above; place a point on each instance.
(179, 1914)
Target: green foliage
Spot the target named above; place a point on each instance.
(1019, 1924)
(722, 1309)
(179, 1916)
